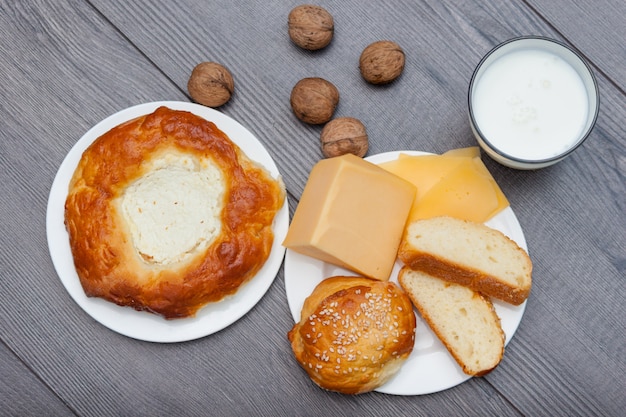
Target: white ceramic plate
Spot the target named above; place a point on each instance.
(143, 325)
(430, 368)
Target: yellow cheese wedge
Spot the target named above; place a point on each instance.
(352, 214)
(465, 193)
(423, 171)
(456, 184)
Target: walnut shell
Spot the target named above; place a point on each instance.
(314, 100)
(344, 135)
(381, 62)
(311, 27)
(211, 84)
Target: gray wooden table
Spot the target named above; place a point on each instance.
(65, 65)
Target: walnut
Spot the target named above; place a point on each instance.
(311, 27)
(211, 84)
(344, 135)
(314, 100)
(381, 62)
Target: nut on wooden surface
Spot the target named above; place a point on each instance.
(314, 100)
(211, 84)
(381, 62)
(344, 135)
(311, 27)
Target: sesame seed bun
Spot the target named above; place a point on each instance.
(354, 333)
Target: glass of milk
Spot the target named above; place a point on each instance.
(532, 102)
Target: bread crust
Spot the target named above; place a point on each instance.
(354, 333)
(106, 261)
(445, 266)
(464, 275)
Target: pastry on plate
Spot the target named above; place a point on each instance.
(166, 214)
(354, 333)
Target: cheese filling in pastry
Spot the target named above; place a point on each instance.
(174, 210)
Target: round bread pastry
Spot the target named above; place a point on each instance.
(166, 214)
(354, 333)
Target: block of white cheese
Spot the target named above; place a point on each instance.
(352, 214)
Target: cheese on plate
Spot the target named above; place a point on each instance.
(352, 214)
(456, 184)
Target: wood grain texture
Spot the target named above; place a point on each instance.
(66, 65)
(23, 394)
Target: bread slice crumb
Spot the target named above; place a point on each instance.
(465, 321)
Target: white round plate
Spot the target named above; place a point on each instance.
(430, 367)
(142, 325)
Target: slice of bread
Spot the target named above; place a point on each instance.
(470, 254)
(464, 320)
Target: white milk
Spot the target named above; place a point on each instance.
(530, 104)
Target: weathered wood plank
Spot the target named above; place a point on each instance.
(69, 64)
(23, 393)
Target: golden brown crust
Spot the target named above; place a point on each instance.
(354, 333)
(107, 263)
(468, 253)
(463, 275)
